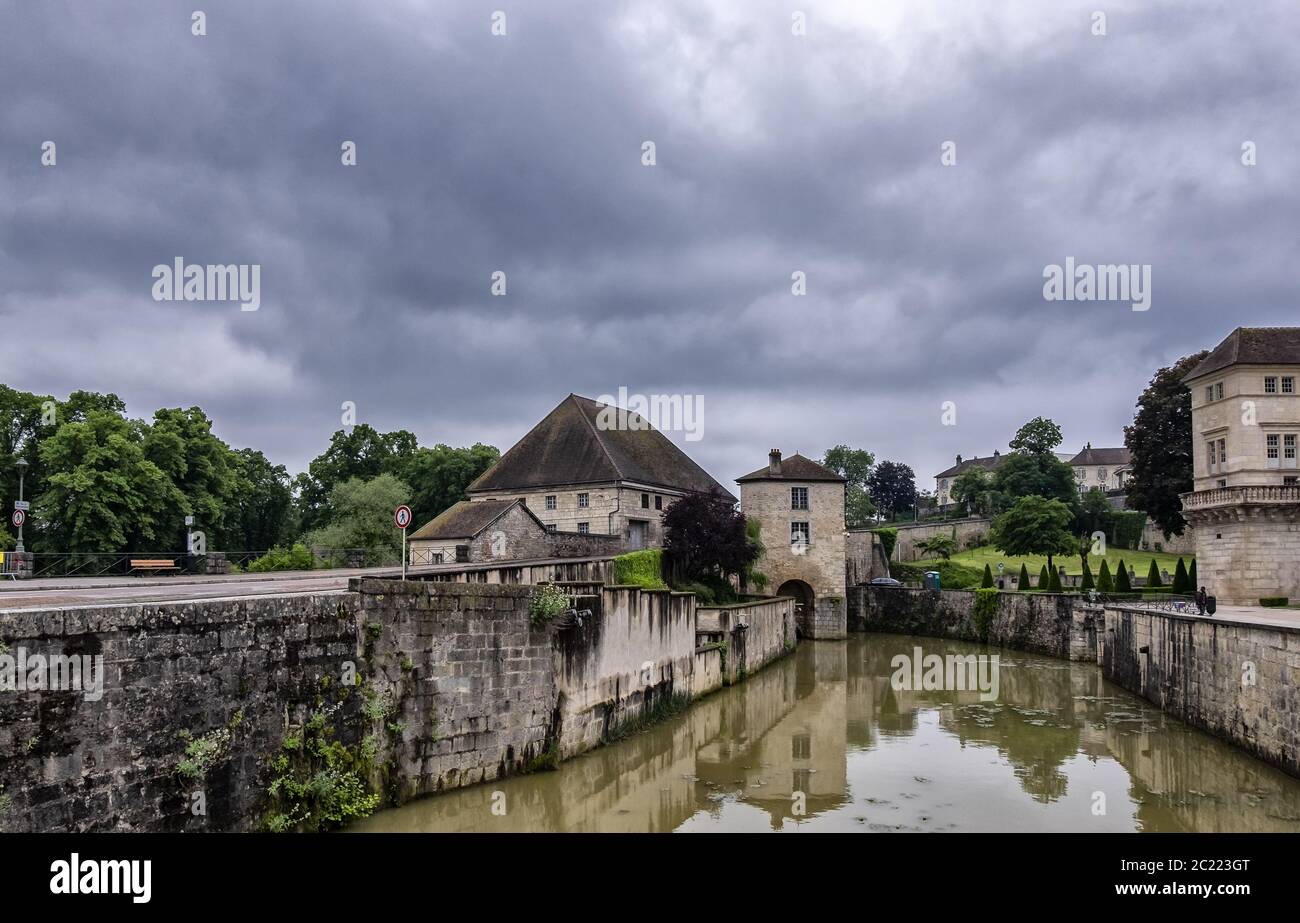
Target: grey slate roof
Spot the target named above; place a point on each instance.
(1090, 456)
(988, 463)
(568, 448)
(467, 518)
(1251, 346)
(794, 468)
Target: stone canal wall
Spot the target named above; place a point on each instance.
(228, 676)
(1235, 680)
(751, 634)
(210, 712)
(1056, 624)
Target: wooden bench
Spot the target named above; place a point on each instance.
(153, 564)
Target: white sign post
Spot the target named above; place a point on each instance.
(402, 519)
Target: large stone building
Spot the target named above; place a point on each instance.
(588, 468)
(1103, 469)
(1245, 505)
(800, 507)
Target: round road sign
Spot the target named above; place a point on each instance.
(402, 516)
(19, 517)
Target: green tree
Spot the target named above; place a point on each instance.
(101, 493)
(1153, 575)
(1023, 583)
(1039, 436)
(361, 517)
(1122, 582)
(854, 465)
(1086, 581)
(203, 469)
(940, 546)
(363, 453)
(1043, 579)
(1191, 576)
(1105, 583)
(1036, 476)
(1035, 525)
(439, 476)
(1054, 581)
(976, 491)
(262, 516)
(987, 582)
(1160, 443)
(891, 487)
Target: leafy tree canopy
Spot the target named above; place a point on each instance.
(1035, 525)
(1160, 442)
(891, 487)
(705, 536)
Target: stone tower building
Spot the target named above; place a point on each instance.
(800, 505)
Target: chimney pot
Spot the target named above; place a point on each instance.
(774, 461)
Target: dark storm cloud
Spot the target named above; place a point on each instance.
(522, 153)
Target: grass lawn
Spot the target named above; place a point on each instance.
(1140, 561)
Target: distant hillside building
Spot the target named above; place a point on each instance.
(1103, 469)
(1245, 502)
(943, 480)
(583, 471)
(800, 507)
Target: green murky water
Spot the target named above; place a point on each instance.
(1059, 749)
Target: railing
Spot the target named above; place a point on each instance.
(1233, 496)
(1158, 602)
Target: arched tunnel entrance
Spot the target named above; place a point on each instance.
(804, 603)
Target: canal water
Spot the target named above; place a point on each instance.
(1059, 749)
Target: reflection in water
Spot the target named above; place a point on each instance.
(826, 723)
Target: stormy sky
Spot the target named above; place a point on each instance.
(775, 153)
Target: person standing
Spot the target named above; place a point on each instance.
(1201, 597)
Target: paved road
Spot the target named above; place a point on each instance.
(71, 592)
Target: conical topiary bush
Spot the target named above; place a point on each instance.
(1054, 581)
(1023, 584)
(1191, 576)
(1122, 583)
(987, 582)
(1153, 575)
(1086, 583)
(1043, 579)
(1105, 584)
(1181, 580)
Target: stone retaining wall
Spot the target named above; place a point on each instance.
(752, 633)
(1237, 681)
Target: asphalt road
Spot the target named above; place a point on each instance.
(60, 593)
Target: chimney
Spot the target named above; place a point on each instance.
(996, 453)
(774, 462)
(959, 459)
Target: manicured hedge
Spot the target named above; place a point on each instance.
(1274, 602)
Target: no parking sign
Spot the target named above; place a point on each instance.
(19, 517)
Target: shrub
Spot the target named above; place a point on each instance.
(1105, 584)
(1043, 579)
(641, 568)
(987, 582)
(1054, 581)
(1086, 583)
(1153, 575)
(1274, 602)
(1122, 583)
(952, 576)
(298, 557)
(1182, 581)
(1023, 584)
(1191, 575)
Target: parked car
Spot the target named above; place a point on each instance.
(884, 581)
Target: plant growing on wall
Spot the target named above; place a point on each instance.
(986, 608)
(547, 601)
(941, 546)
(888, 539)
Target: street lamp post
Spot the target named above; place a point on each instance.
(21, 464)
